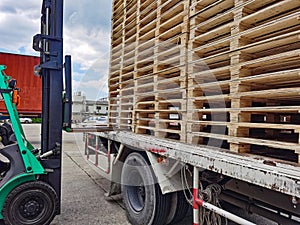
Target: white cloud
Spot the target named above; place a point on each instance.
(93, 82)
(19, 23)
(85, 46)
(86, 36)
(87, 31)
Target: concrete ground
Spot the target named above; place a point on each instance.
(83, 189)
(83, 199)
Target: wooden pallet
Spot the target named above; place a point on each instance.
(162, 30)
(251, 49)
(217, 72)
(160, 107)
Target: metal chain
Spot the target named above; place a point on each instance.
(210, 194)
(186, 186)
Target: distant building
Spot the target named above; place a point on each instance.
(83, 108)
(78, 106)
(101, 106)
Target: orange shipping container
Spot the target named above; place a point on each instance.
(21, 68)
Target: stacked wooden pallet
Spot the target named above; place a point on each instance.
(161, 73)
(115, 61)
(219, 72)
(148, 67)
(244, 79)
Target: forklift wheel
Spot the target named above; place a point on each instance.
(32, 203)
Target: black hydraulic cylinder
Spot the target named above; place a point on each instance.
(68, 93)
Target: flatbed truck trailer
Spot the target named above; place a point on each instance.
(256, 184)
(203, 109)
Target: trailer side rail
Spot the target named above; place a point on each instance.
(274, 175)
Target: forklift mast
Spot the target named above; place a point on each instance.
(30, 182)
(56, 104)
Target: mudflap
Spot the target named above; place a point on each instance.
(115, 189)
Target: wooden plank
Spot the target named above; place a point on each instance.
(219, 32)
(145, 89)
(294, 127)
(172, 32)
(148, 5)
(273, 109)
(254, 141)
(271, 59)
(144, 60)
(210, 75)
(209, 88)
(207, 11)
(145, 127)
(258, 4)
(272, 78)
(167, 6)
(280, 24)
(271, 11)
(168, 130)
(174, 14)
(149, 27)
(272, 43)
(220, 44)
(204, 25)
(212, 98)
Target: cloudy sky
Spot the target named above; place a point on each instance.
(86, 38)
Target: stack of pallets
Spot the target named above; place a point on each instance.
(223, 73)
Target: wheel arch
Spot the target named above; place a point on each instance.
(169, 182)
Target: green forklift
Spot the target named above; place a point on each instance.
(30, 178)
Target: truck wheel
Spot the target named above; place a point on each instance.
(32, 203)
(179, 208)
(144, 202)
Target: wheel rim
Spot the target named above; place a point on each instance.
(31, 207)
(136, 193)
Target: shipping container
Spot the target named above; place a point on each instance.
(21, 68)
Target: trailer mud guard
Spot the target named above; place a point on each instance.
(167, 171)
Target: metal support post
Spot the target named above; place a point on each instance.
(199, 202)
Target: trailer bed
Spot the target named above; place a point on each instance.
(265, 172)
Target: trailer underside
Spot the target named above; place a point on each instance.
(258, 185)
(264, 172)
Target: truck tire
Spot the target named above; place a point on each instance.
(144, 202)
(33, 203)
(179, 208)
